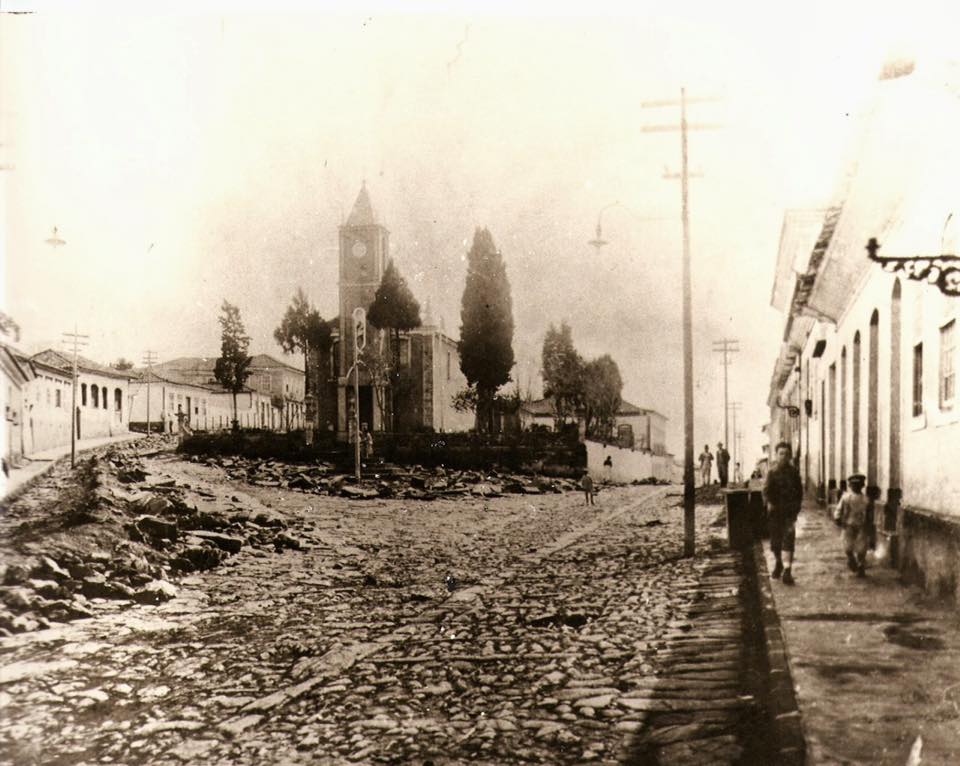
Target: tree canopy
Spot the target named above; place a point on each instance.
(303, 330)
(233, 367)
(394, 310)
(486, 325)
(602, 387)
(563, 373)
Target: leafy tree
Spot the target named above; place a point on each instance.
(486, 326)
(233, 366)
(602, 386)
(395, 310)
(122, 364)
(562, 373)
(303, 329)
(377, 362)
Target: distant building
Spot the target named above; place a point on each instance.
(429, 358)
(273, 397)
(102, 408)
(634, 427)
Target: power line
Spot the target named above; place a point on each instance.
(726, 346)
(689, 509)
(77, 340)
(149, 359)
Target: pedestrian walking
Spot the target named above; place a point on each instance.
(723, 464)
(586, 484)
(706, 464)
(608, 469)
(855, 514)
(783, 496)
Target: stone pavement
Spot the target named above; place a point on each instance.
(494, 631)
(875, 663)
(40, 462)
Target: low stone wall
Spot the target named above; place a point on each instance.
(928, 550)
(628, 465)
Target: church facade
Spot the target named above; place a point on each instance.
(429, 358)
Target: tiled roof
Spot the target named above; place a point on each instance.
(64, 362)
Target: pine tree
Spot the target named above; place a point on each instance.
(486, 326)
(395, 310)
(233, 366)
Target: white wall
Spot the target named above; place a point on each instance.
(627, 464)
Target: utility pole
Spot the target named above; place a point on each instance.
(726, 347)
(77, 340)
(689, 509)
(149, 359)
(733, 407)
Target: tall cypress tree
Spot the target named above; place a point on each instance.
(486, 326)
(233, 366)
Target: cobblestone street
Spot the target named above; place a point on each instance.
(522, 629)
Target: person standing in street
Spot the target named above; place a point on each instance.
(723, 464)
(855, 514)
(783, 496)
(737, 474)
(706, 464)
(586, 483)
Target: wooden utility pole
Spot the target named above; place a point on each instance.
(733, 407)
(726, 346)
(77, 340)
(689, 510)
(149, 359)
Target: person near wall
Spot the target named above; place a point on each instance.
(723, 464)
(608, 469)
(783, 496)
(706, 465)
(854, 513)
(586, 484)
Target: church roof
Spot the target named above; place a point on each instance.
(362, 213)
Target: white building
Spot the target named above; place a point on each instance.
(101, 396)
(866, 378)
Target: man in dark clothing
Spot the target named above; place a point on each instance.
(783, 495)
(723, 464)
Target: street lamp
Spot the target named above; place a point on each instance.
(598, 241)
(54, 239)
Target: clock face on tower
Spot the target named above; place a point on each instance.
(359, 249)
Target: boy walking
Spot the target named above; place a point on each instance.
(854, 513)
(783, 496)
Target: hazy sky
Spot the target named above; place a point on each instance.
(187, 159)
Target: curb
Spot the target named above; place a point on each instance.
(782, 705)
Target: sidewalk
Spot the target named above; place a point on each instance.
(875, 663)
(40, 462)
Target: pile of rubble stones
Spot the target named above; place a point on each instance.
(385, 480)
(139, 535)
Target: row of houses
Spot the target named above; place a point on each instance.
(865, 381)
(180, 394)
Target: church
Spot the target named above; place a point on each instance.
(429, 358)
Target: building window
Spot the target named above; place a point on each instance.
(118, 401)
(948, 375)
(405, 352)
(83, 394)
(449, 364)
(104, 400)
(918, 380)
(57, 395)
(95, 394)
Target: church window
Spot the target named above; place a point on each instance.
(405, 352)
(449, 364)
